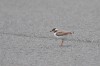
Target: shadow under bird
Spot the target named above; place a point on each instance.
(60, 34)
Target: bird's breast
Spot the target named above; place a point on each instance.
(55, 35)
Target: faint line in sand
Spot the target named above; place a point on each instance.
(15, 34)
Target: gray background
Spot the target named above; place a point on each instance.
(25, 39)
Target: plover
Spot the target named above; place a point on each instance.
(60, 34)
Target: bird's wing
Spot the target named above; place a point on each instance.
(63, 33)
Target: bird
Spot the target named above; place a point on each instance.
(60, 34)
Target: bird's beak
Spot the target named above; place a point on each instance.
(50, 31)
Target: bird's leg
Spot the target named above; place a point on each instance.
(62, 42)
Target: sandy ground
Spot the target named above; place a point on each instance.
(25, 39)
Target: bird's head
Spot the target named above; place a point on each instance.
(54, 30)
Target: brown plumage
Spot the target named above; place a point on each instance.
(63, 33)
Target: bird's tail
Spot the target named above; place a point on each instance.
(72, 32)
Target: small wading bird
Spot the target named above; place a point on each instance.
(61, 34)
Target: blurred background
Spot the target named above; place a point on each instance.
(25, 38)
